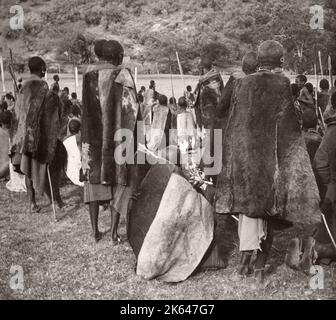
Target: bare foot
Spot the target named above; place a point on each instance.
(98, 236)
(34, 208)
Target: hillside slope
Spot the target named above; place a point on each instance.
(151, 31)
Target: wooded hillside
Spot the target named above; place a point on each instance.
(151, 31)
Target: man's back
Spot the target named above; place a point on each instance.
(28, 111)
(109, 103)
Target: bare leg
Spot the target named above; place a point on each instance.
(94, 212)
(115, 217)
(33, 207)
(244, 265)
(262, 255)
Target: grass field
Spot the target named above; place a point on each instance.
(61, 260)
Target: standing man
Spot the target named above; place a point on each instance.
(109, 104)
(208, 93)
(323, 96)
(266, 175)
(305, 98)
(35, 133)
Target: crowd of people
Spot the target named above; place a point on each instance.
(278, 156)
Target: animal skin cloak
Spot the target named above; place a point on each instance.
(109, 104)
(50, 126)
(28, 110)
(209, 91)
(266, 168)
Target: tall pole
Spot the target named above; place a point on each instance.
(135, 75)
(2, 74)
(318, 109)
(320, 61)
(76, 79)
(330, 72)
(181, 70)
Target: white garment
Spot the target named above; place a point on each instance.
(251, 232)
(186, 133)
(17, 181)
(74, 160)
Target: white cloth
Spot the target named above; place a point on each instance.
(158, 126)
(186, 133)
(74, 160)
(17, 181)
(251, 232)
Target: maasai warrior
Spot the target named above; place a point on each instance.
(185, 126)
(35, 145)
(76, 105)
(311, 135)
(266, 175)
(159, 138)
(109, 104)
(305, 98)
(323, 96)
(295, 94)
(208, 92)
(190, 98)
(249, 65)
(5, 121)
(98, 50)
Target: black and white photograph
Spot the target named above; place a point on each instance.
(168, 150)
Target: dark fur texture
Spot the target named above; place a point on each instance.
(28, 111)
(109, 104)
(210, 88)
(266, 168)
(49, 128)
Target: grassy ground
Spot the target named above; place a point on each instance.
(61, 261)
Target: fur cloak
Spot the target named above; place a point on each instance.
(109, 103)
(266, 168)
(49, 128)
(28, 113)
(209, 91)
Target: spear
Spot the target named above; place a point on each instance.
(135, 75)
(180, 67)
(2, 74)
(12, 73)
(171, 79)
(320, 61)
(318, 109)
(76, 79)
(330, 72)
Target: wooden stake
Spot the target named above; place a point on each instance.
(181, 70)
(2, 74)
(330, 72)
(51, 194)
(135, 75)
(76, 79)
(320, 60)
